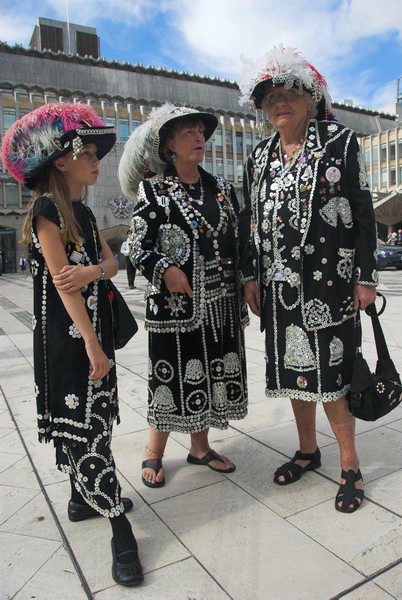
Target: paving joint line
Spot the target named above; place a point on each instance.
(367, 580)
(66, 543)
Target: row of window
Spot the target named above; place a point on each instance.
(382, 181)
(383, 153)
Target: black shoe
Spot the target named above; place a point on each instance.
(80, 512)
(130, 573)
(131, 287)
(347, 494)
(292, 472)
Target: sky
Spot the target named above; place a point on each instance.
(355, 44)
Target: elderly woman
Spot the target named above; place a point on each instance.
(308, 256)
(185, 242)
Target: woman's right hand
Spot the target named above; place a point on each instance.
(99, 361)
(176, 281)
(252, 296)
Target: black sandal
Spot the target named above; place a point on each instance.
(292, 471)
(348, 494)
(209, 457)
(155, 464)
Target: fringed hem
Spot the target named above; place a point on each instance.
(184, 426)
(307, 396)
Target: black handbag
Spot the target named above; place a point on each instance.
(373, 395)
(124, 324)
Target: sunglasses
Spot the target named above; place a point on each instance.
(287, 95)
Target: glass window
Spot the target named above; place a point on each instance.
(208, 165)
(383, 153)
(384, 178)
(240, 169)
(249, 142)
(218, 141)
(392, 177)
(219, 167)
(110, 121)
(375, 155)
(367, 156)
(239, 143)
(230, 174)
(8, 117)
(12, 194)
(375, 178)
(123, 128)
(392, 151)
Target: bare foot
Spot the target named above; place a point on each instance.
(153, 475)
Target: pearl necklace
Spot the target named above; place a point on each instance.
(192, 186)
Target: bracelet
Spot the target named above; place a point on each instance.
(103, 272)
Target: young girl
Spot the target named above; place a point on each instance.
(55, 151)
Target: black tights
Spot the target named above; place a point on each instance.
(122, 533)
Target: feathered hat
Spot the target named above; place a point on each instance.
(143, 151)
(286, 67)
(33, 142)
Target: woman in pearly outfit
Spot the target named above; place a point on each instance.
(308, 256)
(185, 242)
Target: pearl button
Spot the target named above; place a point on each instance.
(329, 282)
(324, 261)
(322, 240)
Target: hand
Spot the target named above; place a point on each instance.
(176, 281)
(363, 296)
(99, 361)
(252, 295)
(71, 278)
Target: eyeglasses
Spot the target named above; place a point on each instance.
(287, 95)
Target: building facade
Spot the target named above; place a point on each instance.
(123, 95)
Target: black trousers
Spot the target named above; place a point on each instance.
(130, 271)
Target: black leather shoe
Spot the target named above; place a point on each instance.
(130, 573)
(80, 512)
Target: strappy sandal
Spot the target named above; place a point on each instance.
(207, 458)
(155, 464)
(348, 494)
(292, 471)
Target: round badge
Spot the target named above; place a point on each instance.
(333, 174)
(91, 302)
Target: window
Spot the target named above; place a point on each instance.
(229, 146)
(367, 156)
(87, 43)
(392, 149)
(240, 169)
(375, 178)
(219, 167)
(392, 177)
(12, 194)
(230, 175)
(383, 153)
(123, 128)
(8, 117)
(218, 141)
(208, 165)
(375, 155)
(384, 178)
(51, 38)
(110, 121)
(249, 142)
(239, 143)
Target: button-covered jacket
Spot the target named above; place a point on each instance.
(337, 233)
(166, 233)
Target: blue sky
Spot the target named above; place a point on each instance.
(356, 44)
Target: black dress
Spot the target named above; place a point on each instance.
(75, 411)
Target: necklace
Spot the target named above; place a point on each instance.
(289, 156)
(192, 189)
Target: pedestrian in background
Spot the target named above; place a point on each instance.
(130, 269)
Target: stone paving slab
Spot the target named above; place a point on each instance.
(204, 536)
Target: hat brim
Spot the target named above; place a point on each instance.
(103, 137)
(209, 121)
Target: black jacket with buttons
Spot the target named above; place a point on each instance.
(338, 233)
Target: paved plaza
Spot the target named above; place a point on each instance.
(204, 536)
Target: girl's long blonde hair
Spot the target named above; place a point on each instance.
(55, 186)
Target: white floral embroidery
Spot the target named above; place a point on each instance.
(309, 249)
(176, 304)
(73, 331)
(266, 245)
(344, 267)
(317, 275)
(295, 252)
(34, 267)
(71, 401)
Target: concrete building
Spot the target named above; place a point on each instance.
(122, 94)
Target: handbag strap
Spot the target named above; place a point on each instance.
(381, 345)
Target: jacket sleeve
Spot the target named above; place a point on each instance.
(364, 227)
(247, 270)
(144, 252)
